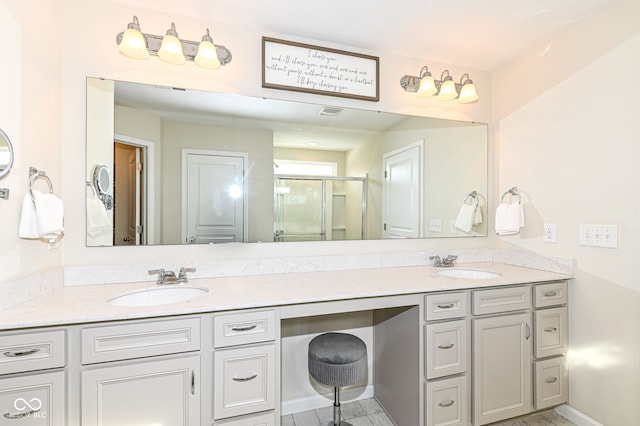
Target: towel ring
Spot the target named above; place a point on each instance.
(35, 174)
(513, 191)
(473, 195)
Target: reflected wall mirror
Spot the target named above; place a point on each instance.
(6, 154)
(191, 166)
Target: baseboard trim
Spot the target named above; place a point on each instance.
(576, 416)
(319, 401)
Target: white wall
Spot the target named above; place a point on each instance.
(571, 146)
(30, 116)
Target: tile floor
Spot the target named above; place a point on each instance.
(367, 412)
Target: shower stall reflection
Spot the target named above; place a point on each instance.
(319, 208)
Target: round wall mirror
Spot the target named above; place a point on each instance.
(6, 154)
(102, 179)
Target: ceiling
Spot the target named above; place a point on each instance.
(478, 34)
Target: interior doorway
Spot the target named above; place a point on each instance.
(129, 194)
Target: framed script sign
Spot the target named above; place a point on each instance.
(312, 69)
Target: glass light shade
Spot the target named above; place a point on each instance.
(207, 56)
(427, 87)
(468, 94)
(171, 50)
(447, 90)
(133, 44)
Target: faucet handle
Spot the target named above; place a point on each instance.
(436, 260)
(161, 274)
(182, 274)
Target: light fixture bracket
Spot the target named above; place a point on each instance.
(189, 48)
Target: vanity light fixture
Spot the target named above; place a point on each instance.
(171, 49)
(445, 89)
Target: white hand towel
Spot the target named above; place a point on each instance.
(98, 220)
(509, 218)
(466, 217)
(49, 217)
(477, 220)
(28, 227)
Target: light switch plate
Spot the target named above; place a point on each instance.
(595, 235)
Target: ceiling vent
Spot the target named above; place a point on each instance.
(330, 111)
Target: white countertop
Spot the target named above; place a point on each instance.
(90, 303)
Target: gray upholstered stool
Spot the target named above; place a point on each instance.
(337, 359)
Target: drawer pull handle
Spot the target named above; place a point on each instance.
(246, 328)
(551, 380)
(20, 415)
(245, 379)
(445, 305)
(193, 382)
(528, 331)
(448, 403)
(551, 329)
(550, 293)
(446, 346)
(14, 354)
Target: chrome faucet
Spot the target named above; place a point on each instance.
(164, 277)
(169, 277)
(447, 262)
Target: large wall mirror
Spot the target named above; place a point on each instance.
(195, 167)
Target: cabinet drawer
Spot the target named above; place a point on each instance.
(244, 327)
(262, 419)
(551, 327)
(446, 402)
(34, 400)
(244, 380)
(551, 382)
(32, 351)
(550, 294)
(446, 348)
(139, 339)
(445, 306)
(501, 300)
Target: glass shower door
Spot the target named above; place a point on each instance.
(300, 206)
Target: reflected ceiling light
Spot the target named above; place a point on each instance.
(170, 48)
(426, 86)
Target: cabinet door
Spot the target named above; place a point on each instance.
(502, 367)
(165, 392)
(33, 400)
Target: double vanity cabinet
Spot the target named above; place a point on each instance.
(482, 354)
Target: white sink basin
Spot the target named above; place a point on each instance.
(158, 296)
(473, 274)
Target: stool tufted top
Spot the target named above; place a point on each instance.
(337, 348)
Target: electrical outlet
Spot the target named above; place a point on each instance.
(598, 235)
(452, 227)
(550, 234)
(435, 225)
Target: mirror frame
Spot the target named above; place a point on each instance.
(5, 138)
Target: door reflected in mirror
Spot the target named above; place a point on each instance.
(393, 175)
